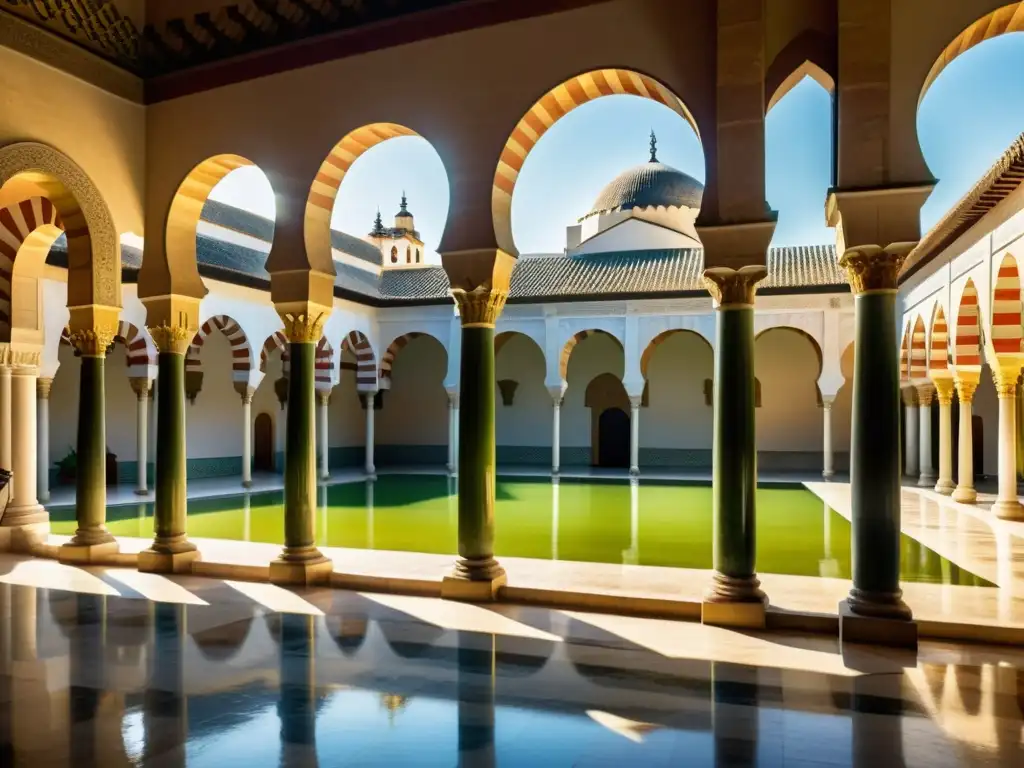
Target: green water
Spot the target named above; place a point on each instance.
(588, 521)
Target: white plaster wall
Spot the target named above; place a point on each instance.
(346, 415)
(635, 234)
(265, 401)
(415, 409)
(789, 418)
(593, 356)
(119, 404)
(213, 422)
(676, 415)
(528, 420)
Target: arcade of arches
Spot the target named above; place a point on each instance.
(277, 342)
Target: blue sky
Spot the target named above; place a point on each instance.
(968, 117)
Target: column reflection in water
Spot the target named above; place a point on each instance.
(165, 706)
(632, 555)
(369, 510)
(86, 671)
(476, 690)
(828, 566)
(322, 501)
(556, 489)
(246, 517)
(296, 706)
(734, 714)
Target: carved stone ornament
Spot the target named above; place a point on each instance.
(480, 307)
(944, 390)
(93, 342)
(925, 395)
(872, 268)
(18, 358)
(172, 338)
(965, 390)
(304, 328)
(734, 287)
(103, 242)
(140, 386)
(1005, 379)
(43, 387)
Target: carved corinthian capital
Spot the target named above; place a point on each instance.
(172, 338)
(479, 307)
(873, 268)
(304, 327)
(734, 287)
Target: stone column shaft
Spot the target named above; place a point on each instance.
(247, 438)
(828, 461)
(965, 486)
(324, 402)
(875, 441)
(24, 506)
(1007, 505)
(734, 454)
(912, 453)
(556, 435)
(43, 438)
(925, 396)
(944, 394)
(634, 436)
(453, 399)
(141, 387)
(5, 417)
(371, 468)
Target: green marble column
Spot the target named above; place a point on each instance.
(734, 452)
(477, 464)
(171, 512)
(875, 436)
(91, 451)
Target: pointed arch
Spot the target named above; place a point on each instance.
(905, 354)
(275, 341)
(323, 366)
(967, 349)
(809, 54)
(359, 347)
(661, 338)
(938, 341)
(570, 345)
(548, 110)
(31, 224)
(241, 350)
(918, 352)
(142, 353)
(388, 358)
(1006, 309)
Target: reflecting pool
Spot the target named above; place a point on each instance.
(591, 521)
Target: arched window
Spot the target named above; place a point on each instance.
(417, 255)
(394, 254)
(408, 254)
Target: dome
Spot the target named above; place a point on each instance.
(649, 184)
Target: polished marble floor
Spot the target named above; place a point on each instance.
(252, 675)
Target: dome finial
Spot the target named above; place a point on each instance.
(378, 226)
(405, 205)
(654, 147)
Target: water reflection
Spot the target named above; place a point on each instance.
(106, 681)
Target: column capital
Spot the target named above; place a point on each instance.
(965, 387)
(944, 389)
(734, 287)
(172, 339)
(140, 386)
(480, 283)
(872, 268)
(93, 342)
(43, 388)
(827, 401)
(453, 398)
(1004, 375)
(925, 394)
(479, 307)
(15, 356)
(305, 327)
(909, 395)
(324, 398)
(635, 401)
(245, 391)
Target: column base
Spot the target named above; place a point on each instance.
(15, 517)
(247, 483)
(74, 553)
(371, 476)
(301, 567)
(153, 561)
(945, 487)
(24, 538)
(927, 481)
(965, 495)
(734, 602)
(1007, 509)
(897, 631)
(475, 581)
(827, 474)
(142, 492)
(634, 471)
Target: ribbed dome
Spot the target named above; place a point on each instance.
(650, 184)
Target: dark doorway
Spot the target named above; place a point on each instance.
(263, 444)
(613, 438)
(978, 447)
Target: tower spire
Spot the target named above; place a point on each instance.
(405, 208)
(378, 225)
(654, 147)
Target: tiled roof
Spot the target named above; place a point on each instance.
(1005, 176)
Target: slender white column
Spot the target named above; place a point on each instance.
(910, 455)
(43, 438)
(634, 435)
(925, 396)
(247, 437)
(828, 461)
(556, 434)
(371, 470)
(1007, 505)
(453, 429)
(141, 387)
(965, 486)
(5, 417)
(944, 394)
(24, 507)
(555, 513)
(325, 401)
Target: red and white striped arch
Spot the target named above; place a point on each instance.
(275, 341)
(17, 223)
(548, 110)
(967, 339)
(324, 366)
(918, 352)
(1006, 309)
(905, 355)
(570, 345)
(359, 347)
(241, 350)
(938, 341)
(388, 358)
